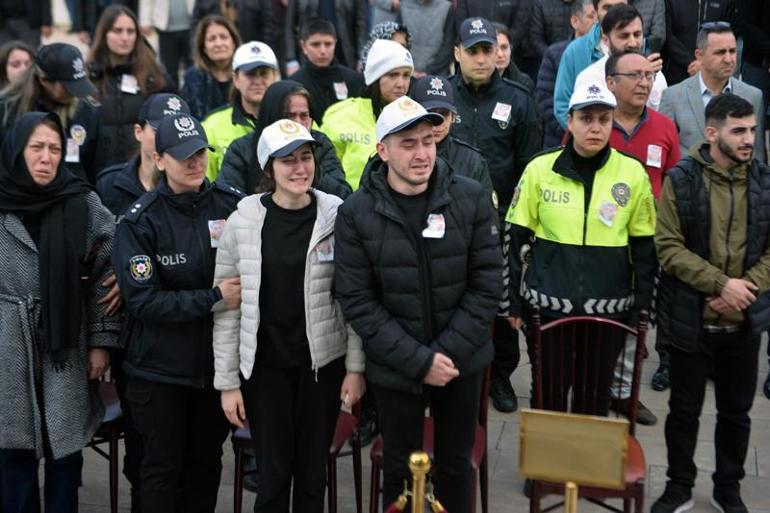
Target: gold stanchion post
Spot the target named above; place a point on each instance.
(419, 464)
(570, 497)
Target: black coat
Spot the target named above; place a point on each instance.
(170, 298)
(320, 84)
(119, 111)
(753, 24)
(36, 12)
(514, 14)
(202, 92)
(404, 310)
(241, 159)
(682, 22)
(507, 146)
(119, 186)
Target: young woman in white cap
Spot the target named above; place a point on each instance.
(588, 213)
(164, 255)
(255, 67)
(285, 358)
(350, 124)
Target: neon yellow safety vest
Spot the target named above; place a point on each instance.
(222, 128)
(580, 257)
(350, 125)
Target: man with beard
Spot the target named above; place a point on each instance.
(712, 243)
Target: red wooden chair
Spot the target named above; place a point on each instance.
(573, 361)
(478, 455)
(346, 429)
(110, 432)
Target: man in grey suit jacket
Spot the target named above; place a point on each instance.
(685, 103)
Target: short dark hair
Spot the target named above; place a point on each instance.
(619, 17)
(724, 105)
(714, 27)
(317, 26)
(611, 66)
(578, 6)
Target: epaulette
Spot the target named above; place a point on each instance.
(217, 110)
(229, 189)
(109, 170)
(464, 143)
(517, 84)
(631, 156)
(546, 151)
(135, 210)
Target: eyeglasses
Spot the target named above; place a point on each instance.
(715, 25)
(637, 75)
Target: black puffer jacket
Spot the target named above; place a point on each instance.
(240, 167)
(119, 112)
(406, 311)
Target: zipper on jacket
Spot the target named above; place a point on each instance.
(729, 227)
(310, 248)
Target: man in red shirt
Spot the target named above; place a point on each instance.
(647, 135)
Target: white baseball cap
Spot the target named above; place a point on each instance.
(402, 113)
(254, 54)
(280, 139)
(591, 93)
(385, 56)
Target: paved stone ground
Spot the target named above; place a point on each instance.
(505, 485)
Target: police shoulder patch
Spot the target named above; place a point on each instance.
(141, 268)
(229, 189)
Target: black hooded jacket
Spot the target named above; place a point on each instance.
(410, 298)
(241, 169)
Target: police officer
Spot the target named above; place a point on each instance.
(591, 212)
(119, 186)
(164, 259)
(436, 95)
(58, 82)
(500, 118)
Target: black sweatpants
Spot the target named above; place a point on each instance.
(182, 430)
(292, 414)
(455, 409)
(174, 49)
(733, 359)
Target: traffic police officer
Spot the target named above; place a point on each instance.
(591, 212)
(164, 259)
(499, 117)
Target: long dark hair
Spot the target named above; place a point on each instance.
(200, 58)
(5, 54)
(144, 62)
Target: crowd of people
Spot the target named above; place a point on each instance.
(291, 206)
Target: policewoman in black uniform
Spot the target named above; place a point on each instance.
(164, 259)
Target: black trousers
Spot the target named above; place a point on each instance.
(733, 360)
(292, 414)
(19, 487)
(455, 409)
(132, 459)
(182, 430)
(174, 50)
(507, 354)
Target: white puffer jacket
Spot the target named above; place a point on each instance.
(240, 254)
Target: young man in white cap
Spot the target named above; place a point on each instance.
(418, 277)
(588, 214)
(255, 67)
(350, 124)
(499, 117)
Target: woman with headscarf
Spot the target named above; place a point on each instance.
(286, 99)
(55, 244)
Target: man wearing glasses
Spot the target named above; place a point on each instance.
(685, 103)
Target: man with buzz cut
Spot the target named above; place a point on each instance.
(500, 118)
(418, 276)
